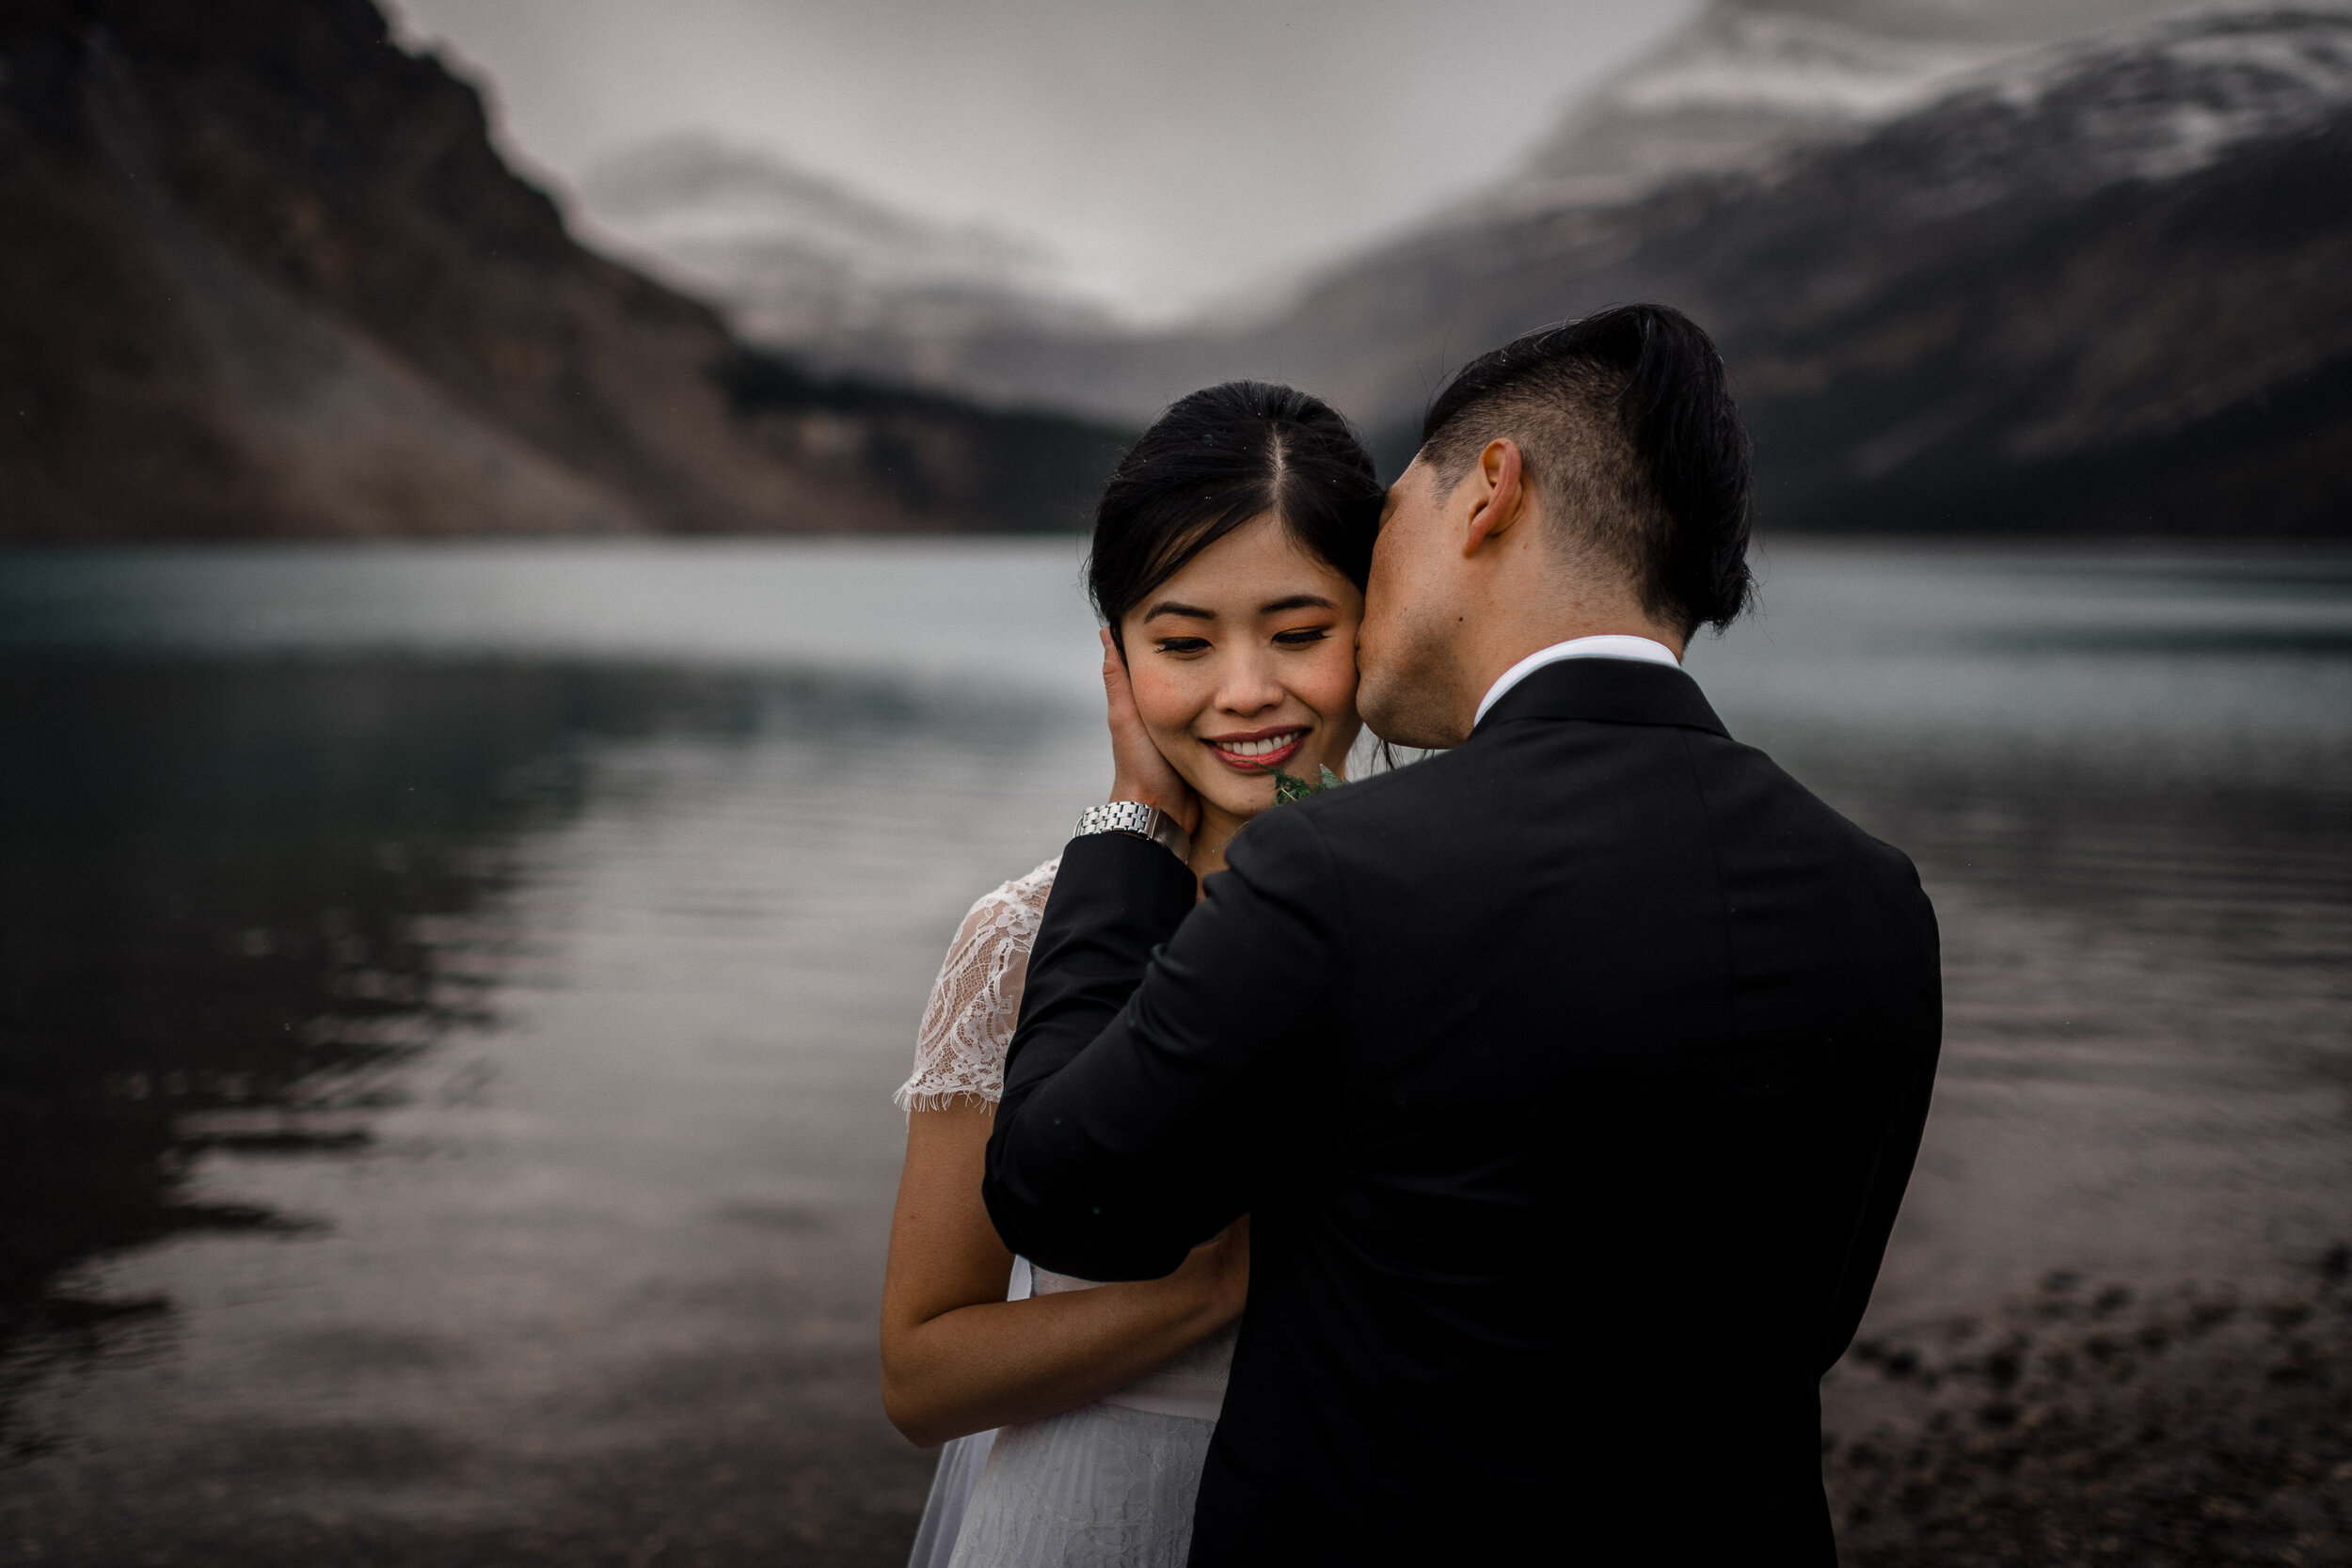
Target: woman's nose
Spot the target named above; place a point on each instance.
(1248, 686)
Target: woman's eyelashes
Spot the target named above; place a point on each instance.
(1298, 637)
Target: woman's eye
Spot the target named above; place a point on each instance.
(1182, 644)
(1302, 637)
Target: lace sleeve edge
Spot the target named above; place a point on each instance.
(910, 1099)
(968, 1023)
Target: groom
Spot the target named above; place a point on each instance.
(1572, 1078)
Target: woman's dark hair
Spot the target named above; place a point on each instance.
(1217, 459)
(1629, 431)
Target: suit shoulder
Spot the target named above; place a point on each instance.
(1872, 854)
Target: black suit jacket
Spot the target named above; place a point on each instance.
(1572, 1080)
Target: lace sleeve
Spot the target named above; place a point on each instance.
(959, 1050)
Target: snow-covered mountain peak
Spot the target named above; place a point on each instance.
(1743, 84)
(1810, 68)
(2167, 100)
(796, 258)
(1752, 81)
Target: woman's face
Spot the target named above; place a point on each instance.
(1244, 662)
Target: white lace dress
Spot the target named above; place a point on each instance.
(1109, 1484)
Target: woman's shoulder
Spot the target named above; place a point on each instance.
(967, 1026)
(1028, 892)
(1008, 912)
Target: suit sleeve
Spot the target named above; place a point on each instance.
(1883, 1197)
(1152, 1045)
(1904, 1125)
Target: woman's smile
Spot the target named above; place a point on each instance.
(1258, 750)
(1242, 665)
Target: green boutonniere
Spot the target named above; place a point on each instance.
(1287, 789)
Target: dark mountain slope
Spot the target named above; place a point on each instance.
(2112, 291)
(2102, 287)
(262, 273)
(2171, 357)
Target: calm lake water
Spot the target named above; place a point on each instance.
(452, 993)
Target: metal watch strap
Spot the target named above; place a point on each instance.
(1134, 816)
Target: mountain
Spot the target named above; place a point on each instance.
(1751, 81)
(797, 259)
(2104, 287)
(1738, 91)
(1972, 271)
(1739, 88)
(264, 276)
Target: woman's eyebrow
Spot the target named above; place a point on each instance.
(1170, 607)
(1296, 601)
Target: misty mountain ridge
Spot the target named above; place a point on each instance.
(2149, 107)
(2104, 283)
(1751, 81)
(1751, 93)
(807, 264)
(2108, 285)
(1741, 87)
(267, 276)
(2145, 103)
(799, 259)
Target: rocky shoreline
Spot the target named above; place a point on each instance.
(2095, 1424)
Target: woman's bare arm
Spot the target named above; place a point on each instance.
(958, 1357)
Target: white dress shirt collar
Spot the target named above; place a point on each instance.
(1609, 645)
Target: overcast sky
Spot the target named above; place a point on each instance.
(1169, 153)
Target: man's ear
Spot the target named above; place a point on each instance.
(1497, 490)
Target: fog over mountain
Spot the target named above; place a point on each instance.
(1827, 200)
(804, 263)
(1747, 82)
(1170, 157)
(812, 263)
(2102, 285)
(1968, 275)
(1994, 267)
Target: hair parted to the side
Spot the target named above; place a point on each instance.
(1214, 461)
(1627, 431)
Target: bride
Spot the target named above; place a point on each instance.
(1230, 555)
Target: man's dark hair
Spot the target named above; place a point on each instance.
(1217, 459)
(1627, 431)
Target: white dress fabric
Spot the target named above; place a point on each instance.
(1109, 1484)
(960, 1461)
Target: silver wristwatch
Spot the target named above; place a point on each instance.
(1134, 816)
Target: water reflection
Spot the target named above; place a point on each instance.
(242, 897)
(483, 1046)
(214, 929)
(2148, 981)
